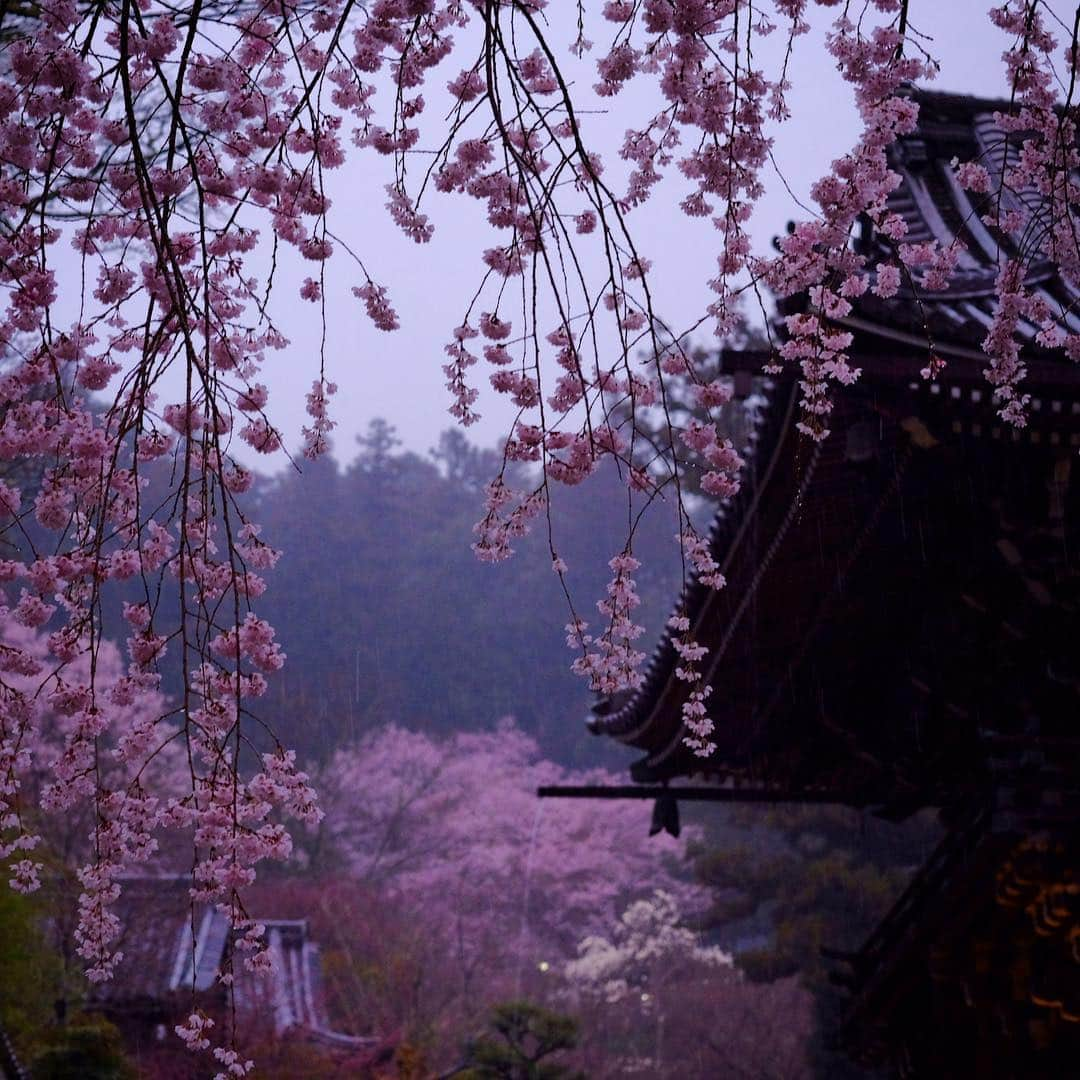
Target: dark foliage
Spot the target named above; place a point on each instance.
(523, 1036)
(89, 1050)
(791, 881)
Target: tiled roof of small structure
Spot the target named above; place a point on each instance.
(891, 347)
(171, 948)
(155, 915)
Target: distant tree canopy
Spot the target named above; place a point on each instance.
(386, 615)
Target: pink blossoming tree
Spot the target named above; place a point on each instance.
(456, 826)
(181, 154)
(465, 891)
(496, 886)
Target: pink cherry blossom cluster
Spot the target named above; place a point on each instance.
(316, 437)
(700, 557)
(609, 660)
(699, 726)
(194, 1032)
(816, 257)
(722, 479)
(59, 715)
(508, 516)
(1028, 198)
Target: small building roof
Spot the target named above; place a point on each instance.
(173, 949)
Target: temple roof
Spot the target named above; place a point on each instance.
(899, 630)
(957, 128)
(894, 593)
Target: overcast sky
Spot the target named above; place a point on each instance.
(398, 375)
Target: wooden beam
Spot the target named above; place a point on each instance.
(699, 794)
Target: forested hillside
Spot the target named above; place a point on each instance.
(387, 616)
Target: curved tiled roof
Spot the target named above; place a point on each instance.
(620, 716)
(792, 487)
(934, 206)
(172, 950)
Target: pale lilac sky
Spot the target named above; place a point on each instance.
(398, 375)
